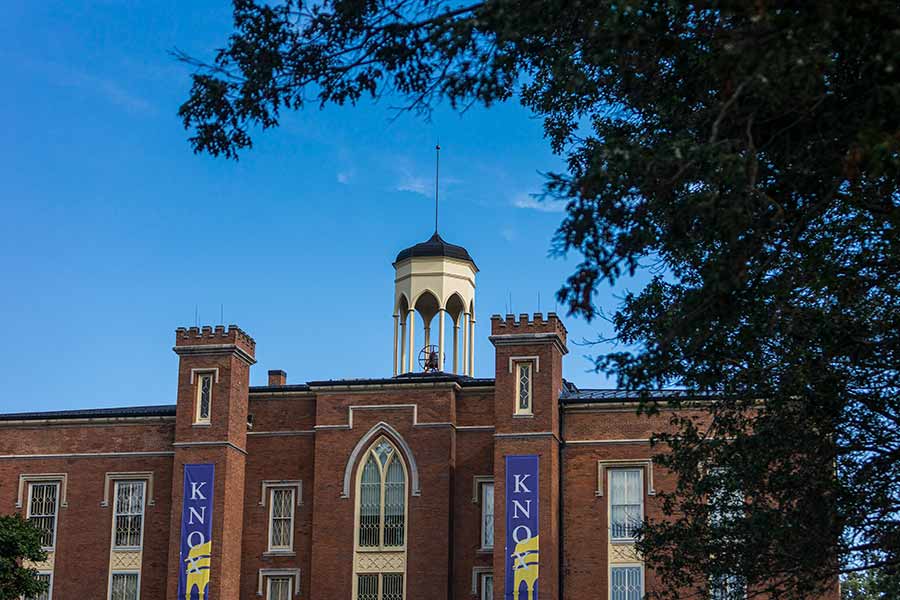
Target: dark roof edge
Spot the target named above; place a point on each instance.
(162, 410)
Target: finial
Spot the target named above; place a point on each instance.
(437, 174)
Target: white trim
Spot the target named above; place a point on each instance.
(477, 480)
(271, 492)
(56, 504)
(484, 576)
(518, 411)
(477, 572)
(608, 442)
(609, 511)
(113, 476)
(115, 572)
(214, 377)
(140, 546)
(625, 566)
(532, 359)
(195, 372)
(25, 478)
(225, 443)
(624, 463)
(267, 484)
(481, 528)
(381, 428)
(264, 574)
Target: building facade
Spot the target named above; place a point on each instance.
(431, 483)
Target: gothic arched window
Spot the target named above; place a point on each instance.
(381, 497)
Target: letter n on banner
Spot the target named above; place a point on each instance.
(196, 532)
(522, 540)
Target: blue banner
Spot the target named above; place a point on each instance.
(522, 540)
(196, 532)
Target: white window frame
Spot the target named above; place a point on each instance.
(484, 507)
(265, 574)
(517, 365)
(143, 514)
(291, 585)
(49, 585)
(610, 471)
(627, 566)
(115, 572)
(198, 418)
(293, 504)
(28, 515)
(481, 587)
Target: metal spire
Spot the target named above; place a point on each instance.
(437, 175)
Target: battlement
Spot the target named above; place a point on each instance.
(208, 336)
(525, 324)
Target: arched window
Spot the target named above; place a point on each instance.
(381, 497)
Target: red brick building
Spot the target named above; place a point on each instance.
(371, 489)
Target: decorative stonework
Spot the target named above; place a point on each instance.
(375, 562)
(46, 565)
(623, 553)
(125, 561)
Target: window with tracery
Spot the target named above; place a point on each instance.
(382, 498)
(381, 524)
(128, 514)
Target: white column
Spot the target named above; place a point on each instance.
(465, 345)
(441, 340)
(396, 332)
(472, 346)
(410, 326)
(456, 344)
(402, 345)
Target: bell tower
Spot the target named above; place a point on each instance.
(434, 279)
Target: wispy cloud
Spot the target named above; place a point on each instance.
(411, 183)
(110, 89)
(508, 234)
(534, 202)
(344, 177)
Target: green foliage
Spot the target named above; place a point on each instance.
(748, 150)
(19, 540)
(874, 584)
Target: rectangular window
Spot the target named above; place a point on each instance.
(128, 514)
(280, 588)
(487, 586)
(124, 586)
(626, 502)
(385, 586)
(487, 516)
(204, 397)
(281, 518)
(626, 583)
(523, 388)
(43, 505)
(48, 579)
(392, 586)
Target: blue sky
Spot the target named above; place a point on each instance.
(113, 231)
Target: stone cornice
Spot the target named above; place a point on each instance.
(213, 350)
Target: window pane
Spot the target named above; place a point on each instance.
(394, 504)
(626, 583)
(626, 490)
(367, 587)
(42, 510)
(282, 517)
(487, 587)
(205, 396)
(392, 586)
(128, 513)
(730, 587)
(487, 515)
(370, 504)
(45, 577)
(279, 588)
(124, 586)
(524, 386)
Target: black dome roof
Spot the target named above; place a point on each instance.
(435, 246)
